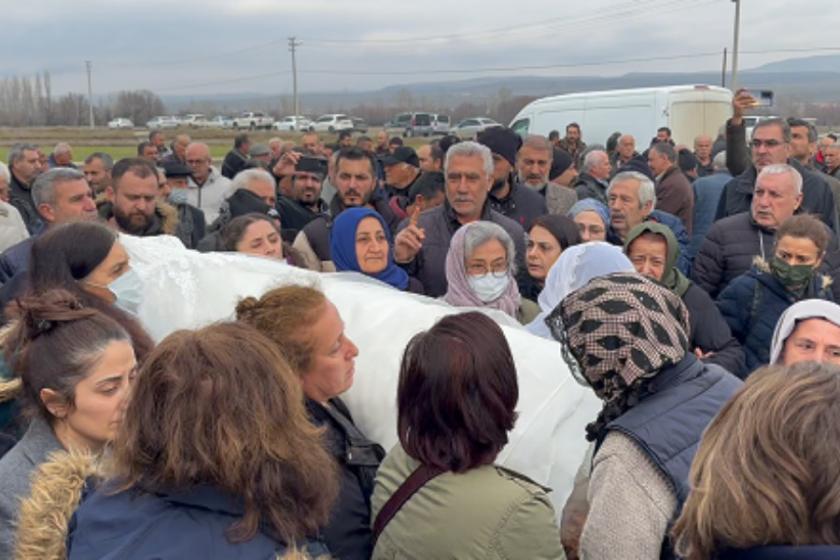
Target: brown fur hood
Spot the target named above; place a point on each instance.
(45, 515)
(166, 213)
(763, 266)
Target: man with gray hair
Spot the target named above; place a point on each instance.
(60, 195)
(595, 172)
(733, 242)
(770, 144)
(423, 241)
(62, 156)
(24, 166)
(97, 169)
(534, 164)
(673, 189)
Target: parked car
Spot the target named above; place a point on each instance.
(162, 122)
(440, 124)
(332, 123)
(468, 128)
(292, 123)
(411, 124)
(359, 125)
(195, 120)
(253, 120)
(220, 121)
(120, 123)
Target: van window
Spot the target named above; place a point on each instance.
(442, 118)
(521, 127)
(422, 119)
(403, 118)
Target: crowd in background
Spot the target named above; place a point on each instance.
(692, 288)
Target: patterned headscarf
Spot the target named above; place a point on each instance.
(618, 331)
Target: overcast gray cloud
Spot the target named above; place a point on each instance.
(225, 46)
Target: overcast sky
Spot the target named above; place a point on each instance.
(227, 46)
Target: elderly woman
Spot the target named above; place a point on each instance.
(764, 480)
(308, 330)
(808, 331)
(573, 269)
(215, 458)
(480, 271)
(654, 251)
(549, 236)
(75, 366)
(438, 494)
(257, 234)
(592, 219)
(753, 302)
(360, 241)
(627, 337)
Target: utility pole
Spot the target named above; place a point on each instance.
(723, 72)
(735, 45)
(88, 65)
(293, 44)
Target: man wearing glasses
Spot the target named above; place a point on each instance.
(207, 188)
(769, 145)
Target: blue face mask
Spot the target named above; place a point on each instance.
(128, 289)
(177, 196)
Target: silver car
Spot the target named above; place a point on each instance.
(468, 128)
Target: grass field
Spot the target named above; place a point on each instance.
(123, 143)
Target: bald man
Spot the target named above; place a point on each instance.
(207, 188)
(703, 153)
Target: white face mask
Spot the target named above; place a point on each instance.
(488, 287)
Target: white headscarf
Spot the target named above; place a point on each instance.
(575, 267)
(800, 311)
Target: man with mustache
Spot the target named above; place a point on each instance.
(423, 241)
(131, 203)
(508, 196)
(355, 183)
(304, 202)
(733, 242)
(770, 144)
(535, 162)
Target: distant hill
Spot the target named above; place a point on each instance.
(820, 63)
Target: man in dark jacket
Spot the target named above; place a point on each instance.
(191, 222)
(707, 192)
(516, 201)
(594, 177)
(572, 143)
(60, 195)
(733, 242)
(770, 145)
(304, 203)
(673, 190)
(355, 181)
(421, 247)
(24, 166)
(401, 168)
(236, 159)
(653, 250)
(536, 163)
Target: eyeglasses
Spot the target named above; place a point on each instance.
(481, 270)
(767, 143)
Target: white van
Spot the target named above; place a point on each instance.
(687, 110)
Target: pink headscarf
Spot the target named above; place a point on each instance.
(459, 293)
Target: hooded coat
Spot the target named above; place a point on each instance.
(753, 303)
(708, 330)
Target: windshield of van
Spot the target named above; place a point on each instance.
(422, 119)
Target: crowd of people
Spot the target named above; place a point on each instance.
(691, 288)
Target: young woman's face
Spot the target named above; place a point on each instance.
(261, 239)
(798, 251)
(543, 251)
(99, 400)
(371, 246)
(333, 365)
(115, 264)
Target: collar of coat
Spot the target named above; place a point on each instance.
(824, 281)
(165, 218)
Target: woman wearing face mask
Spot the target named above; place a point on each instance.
(549, 236)
(752, 303)
(173, 191)
(258, 235)
(480, 268)
(360, 241)
(75, 365)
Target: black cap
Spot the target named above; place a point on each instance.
(561, 160)
(502, 141)
(403, 154)
(176, 169)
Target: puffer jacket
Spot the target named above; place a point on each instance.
(753, 303)
(523, 204)
(588, 186)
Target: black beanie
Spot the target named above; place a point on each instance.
(245, 202)
(502, 141)
(560, 162)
